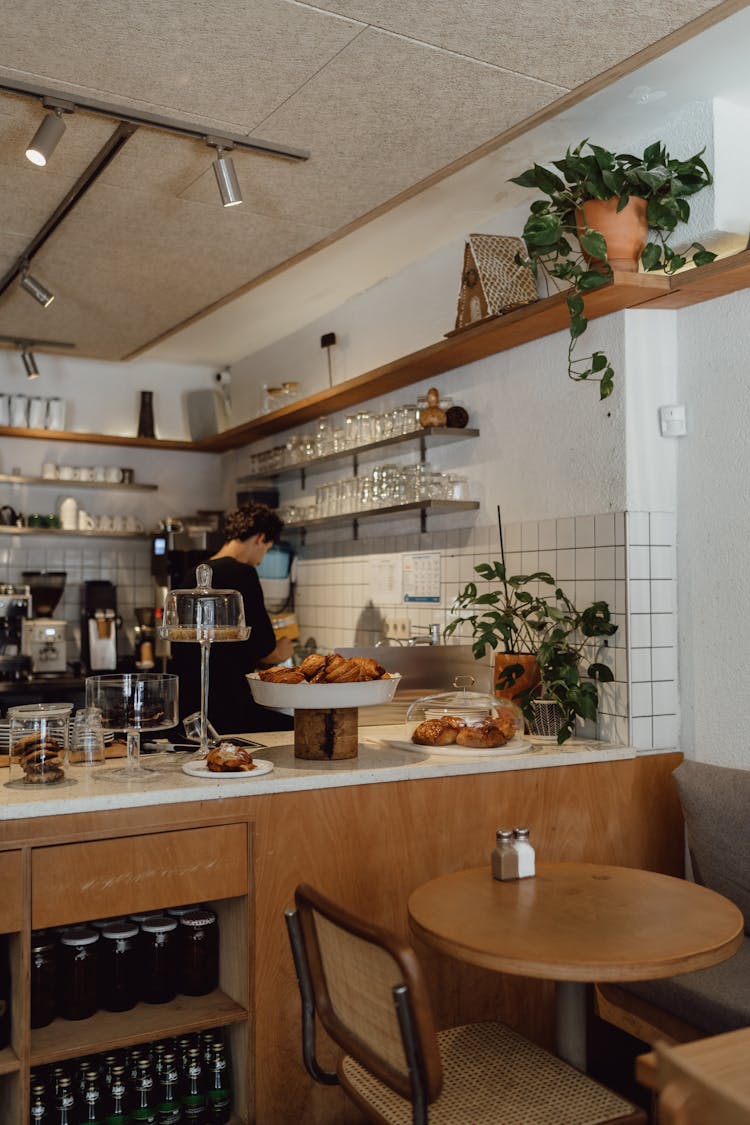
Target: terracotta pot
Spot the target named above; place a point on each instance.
(528, 679)
(626, 232)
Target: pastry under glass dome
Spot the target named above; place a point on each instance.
(471, 710)
(204, 616)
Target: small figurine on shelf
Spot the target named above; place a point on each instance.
(432, 415)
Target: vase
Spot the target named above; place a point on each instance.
(625, 231)
(529, 677)
(146, 415)
(548, 718)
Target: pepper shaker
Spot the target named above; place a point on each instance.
(505, 857)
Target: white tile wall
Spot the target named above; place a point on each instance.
(627, 559)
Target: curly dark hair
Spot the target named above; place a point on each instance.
(252, 519)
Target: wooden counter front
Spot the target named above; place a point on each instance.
(369, 846)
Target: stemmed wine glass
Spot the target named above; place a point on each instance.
(133, 702)
(204, 616)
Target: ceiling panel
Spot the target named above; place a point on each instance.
(559, 41)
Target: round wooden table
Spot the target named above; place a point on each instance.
(576, 922)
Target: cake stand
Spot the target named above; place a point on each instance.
(133, 702)
(204, 616)
(326, 724)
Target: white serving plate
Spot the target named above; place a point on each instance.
(322, 696)
(515, 746)
(200, 769)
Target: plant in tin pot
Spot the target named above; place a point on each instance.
(524, 623)
(607, 203)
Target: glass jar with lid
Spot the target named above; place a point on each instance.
(199, 953)
(43, 973)
(39, 743)
(159, 953)
(77, 973)
(465, 722)
(118, 967)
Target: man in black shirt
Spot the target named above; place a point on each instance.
(250, 530)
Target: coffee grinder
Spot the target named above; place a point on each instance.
(99, 625)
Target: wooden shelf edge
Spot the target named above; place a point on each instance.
(63, 533)
(696, 285)
(435, 507)
(101, 439)
(66, 1039)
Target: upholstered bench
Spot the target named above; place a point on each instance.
(716, 806)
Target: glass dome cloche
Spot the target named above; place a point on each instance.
(465, 719)
(204, 614)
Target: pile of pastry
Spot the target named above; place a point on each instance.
(330, 669)
(41, 757)
(228, 758)
(486, 734)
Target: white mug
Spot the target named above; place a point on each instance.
(66, 472)
(85, 472)
(104, 523)
(85, 521)
(19, 411)
(49, 470)
(68, 512)
(132, 523)
(55, 414)
(37, 412)
(100, 473)
(113, 474)
(4, 410)
(118, 523)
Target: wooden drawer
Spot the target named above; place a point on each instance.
(11, 891)
(78, 882)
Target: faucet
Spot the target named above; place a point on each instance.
(433, 637)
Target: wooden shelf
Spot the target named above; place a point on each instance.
(61, 532)
(427, 435)
(67, 1039)
(60, 483)
(99, 439)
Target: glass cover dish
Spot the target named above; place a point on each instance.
(204, 614)
(465, 718)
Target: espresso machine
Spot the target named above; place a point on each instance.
(44, 637)
(15, 609)
(99, 624)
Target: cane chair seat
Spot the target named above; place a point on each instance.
(490, 1075)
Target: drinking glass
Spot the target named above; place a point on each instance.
(133, 702)
(87, 747)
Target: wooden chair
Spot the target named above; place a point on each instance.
(367, 988)
(701, 1083)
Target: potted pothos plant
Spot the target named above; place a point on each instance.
(570, 236)
(546, 630)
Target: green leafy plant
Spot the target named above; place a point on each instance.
(512, 618)
(663, 182)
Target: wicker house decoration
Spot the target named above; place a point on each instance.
(492, 282)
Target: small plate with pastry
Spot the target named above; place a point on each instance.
(227, 762)
(324, 681)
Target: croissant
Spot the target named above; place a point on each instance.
(346, 672)
(487, 735)
(437, 732)
(282, 675)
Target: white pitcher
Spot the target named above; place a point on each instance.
(68, 512)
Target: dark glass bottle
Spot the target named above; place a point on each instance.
(199, 953)
(144, 1095)
(4, 993)
(193, 1089)
(117, 1101)
(93, 1103)
(39, 1110)
(169, 1106)
(207, 1040)
(146, 415)
(66, 1104)
(43, 978)
(118, 967)
(109, 1062)
(158, 949)
(83, 1067)
(77, 973)
(218, 1087)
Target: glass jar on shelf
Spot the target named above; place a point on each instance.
(39, 739)
(77, 973)
(199, 953)
(410, 416)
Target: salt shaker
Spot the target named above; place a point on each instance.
(524, 853)
(504, 857)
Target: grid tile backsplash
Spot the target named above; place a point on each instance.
(592, 557)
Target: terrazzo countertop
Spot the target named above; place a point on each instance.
(379, 761)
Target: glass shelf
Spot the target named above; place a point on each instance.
(424, 507)
(60, 483)
(428, 434)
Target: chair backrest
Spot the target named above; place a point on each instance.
(715, 802)
(697, 1092)
(354, 968)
